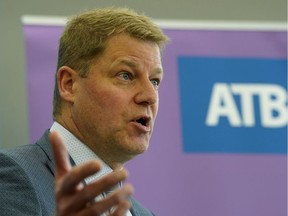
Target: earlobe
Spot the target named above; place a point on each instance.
(66, 77)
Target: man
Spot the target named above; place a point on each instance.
(105, 104)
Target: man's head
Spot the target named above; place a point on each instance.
(109, 71)
(85, 36)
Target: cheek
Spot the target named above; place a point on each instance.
(106, 101)
(88, 102)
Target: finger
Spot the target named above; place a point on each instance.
(78, 174)
(60, 154)
(89, 192)
(118, 201)
(119, 196)
(122, 208)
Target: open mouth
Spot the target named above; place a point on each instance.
(143, 121)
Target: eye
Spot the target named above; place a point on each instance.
(155, 82)
(125, 76)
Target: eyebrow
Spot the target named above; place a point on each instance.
(128, 63)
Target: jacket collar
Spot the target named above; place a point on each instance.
(45, 145)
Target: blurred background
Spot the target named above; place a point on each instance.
(241, 178)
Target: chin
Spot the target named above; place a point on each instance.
(133, 147)
(139, 149)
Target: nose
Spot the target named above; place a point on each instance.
(147, 93)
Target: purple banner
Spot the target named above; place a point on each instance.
(168, 180)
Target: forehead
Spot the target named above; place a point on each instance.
(125, 46)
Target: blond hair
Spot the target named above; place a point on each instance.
(85, 36)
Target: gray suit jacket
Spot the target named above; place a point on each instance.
(27, 181)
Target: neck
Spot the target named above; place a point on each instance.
(112, 160)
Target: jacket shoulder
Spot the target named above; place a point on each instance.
(26, 181)
(139, 210)
(18, 196)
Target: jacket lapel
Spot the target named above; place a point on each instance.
(45, 145)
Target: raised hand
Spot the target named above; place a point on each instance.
(75, 198)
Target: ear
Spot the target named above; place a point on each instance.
(66, 78)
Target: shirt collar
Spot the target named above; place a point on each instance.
(80, 152)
